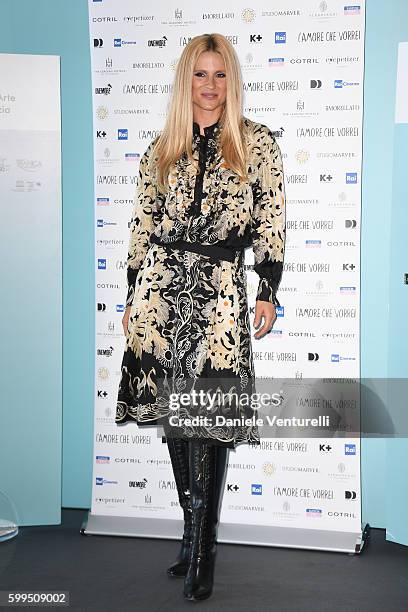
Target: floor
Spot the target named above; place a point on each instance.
(107, 573)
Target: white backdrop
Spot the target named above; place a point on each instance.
(303, 68)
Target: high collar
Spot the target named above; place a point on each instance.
(208, 131)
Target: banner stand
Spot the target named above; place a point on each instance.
(230, 533)
(310, 95)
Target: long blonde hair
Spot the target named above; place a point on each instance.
(176, 136)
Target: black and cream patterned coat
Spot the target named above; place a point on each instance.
(189, 311)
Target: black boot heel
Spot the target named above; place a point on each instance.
(180, 566)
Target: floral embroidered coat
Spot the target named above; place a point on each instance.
(189, 312)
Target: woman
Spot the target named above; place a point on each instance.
(209, 186)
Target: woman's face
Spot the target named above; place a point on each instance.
(209, 82)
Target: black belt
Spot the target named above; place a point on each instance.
(210, 250)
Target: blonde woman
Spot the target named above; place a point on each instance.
(210, 185)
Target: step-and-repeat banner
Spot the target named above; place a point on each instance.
(303, 66)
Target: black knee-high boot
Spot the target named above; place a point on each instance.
(208, 465)
(179, 455)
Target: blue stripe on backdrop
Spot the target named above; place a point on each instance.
(396, 491)
(377, 125)
(383, 340)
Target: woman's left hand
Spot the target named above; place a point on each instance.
(268, 312)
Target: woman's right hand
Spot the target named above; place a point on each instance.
(125, 320)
